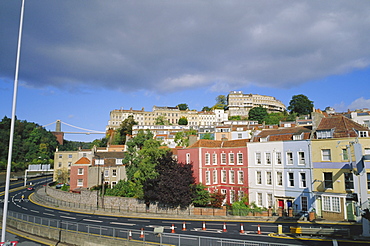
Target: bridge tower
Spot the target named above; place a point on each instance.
(58, 132)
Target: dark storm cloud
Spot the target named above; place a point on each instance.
(173, 45)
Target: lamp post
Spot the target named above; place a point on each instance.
(11, 137)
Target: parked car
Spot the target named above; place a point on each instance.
(30, 187)
(58, 186)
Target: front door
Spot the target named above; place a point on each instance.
(350, 211)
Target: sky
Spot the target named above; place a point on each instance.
(82, 59)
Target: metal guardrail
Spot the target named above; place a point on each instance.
(124, 234)
(319, 231)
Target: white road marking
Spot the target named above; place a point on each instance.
(67, 217)
(126, 224)
(35, 211)
(97, 221)
(139, 220)
(49, 214)
(64, 213)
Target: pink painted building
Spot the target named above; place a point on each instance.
(79, 173)
(219, 165)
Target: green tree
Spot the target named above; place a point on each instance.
(221, 102)
(183, 106)
(207, 135)
(182, 138)
(161, 120)
(183, 121)
(257, 113)
(124, 130)
(301, 105)
(206, 108)
(201, 197)
(216, 199)
(235, 117)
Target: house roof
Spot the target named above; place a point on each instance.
(83, 160)
(342, 126)
(283, 134)
(219, 144)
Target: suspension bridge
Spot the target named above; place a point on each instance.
(58, 128)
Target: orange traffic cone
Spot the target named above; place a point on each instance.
(129, 235)
(184, 226)
(173, 228)
(241, 228)
(142, 233)
(204, 226)
(258, 229)
(224, 228)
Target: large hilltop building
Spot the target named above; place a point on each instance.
(240, 104)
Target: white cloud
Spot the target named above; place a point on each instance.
(360, 103)
(165, 46)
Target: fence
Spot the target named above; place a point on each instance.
(125, 236)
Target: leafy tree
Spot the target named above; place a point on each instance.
(124, 130)
(206, 108)
(257, 113)
(183, 106)
(207, 135)
(241, 208)
(235, 117)
(201, 196)
(62, 175)
(216, 199)
(124, 188)
(221, 102)
(183, 121)
(161, 120)
(172, 187)
(182, 138)
(301, 105)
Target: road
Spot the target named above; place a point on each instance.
(119, 226)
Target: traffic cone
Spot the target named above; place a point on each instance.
(184, 226)
(241, 228)
(204, 226)
(173, 228)
(142, 233)
(224, 228)
(258, 229)
(129, 235)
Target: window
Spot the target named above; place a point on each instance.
(231, 158)
(69, 164)
(114, 183)
(207, 159)
(114, 172)
(80, 182)
(259, 199)
(208, 178)
(240, 158)
(240, 135)
(268, 178)
(258, 158)
(84, 155)
(99, 161)
(326, 155)
(215, 181)
(328, 180)
(240, 195)
(331, 204)
(214, 159)
(232, 196)
(223, 176)
(80, 171)
(344, 154)
(259, 177)
(106, 173)
(278, 157)
(269, 200)
(363, 134)
(268, 158)
(240, 177)
(291, 179)
(279, 178)
(223, 158)
(289, 156)
(231, 177)
(368, 181)
(304, 203)
(301, 158)
(59, 164)
(303, 181)
(187, 158)
(367, 151)
(348, 181)
(60, 155)
(69, 156)
(119, 161)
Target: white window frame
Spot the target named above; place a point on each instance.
(231, 176)
(289, 158)
(99, 161)
(215, 180)
(119, 161)
(304, 203)
(259, 199)
(240, 177)
(302, 180)
(240, 158)
(106, 173)
(331, 204)
(258, 177)
(80, 171)
(231, 158)
(223, 158)
(207, 159)
(268, 178)
(187, 158)
(208, 177)
(279, 160)
(301, 158)
(326, 154)
(223, 177)
(114, 172)
(258, 158)
(80, 182)
(268, 158)
(279, 178)
(291, 182)
(214, 158)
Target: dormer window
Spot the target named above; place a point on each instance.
(324, 134)
(363, 134)
(298, 136)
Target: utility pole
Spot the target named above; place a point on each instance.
(9, 165)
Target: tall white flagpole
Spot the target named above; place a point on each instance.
(7, 179)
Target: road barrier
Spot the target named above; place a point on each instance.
(319, 231)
